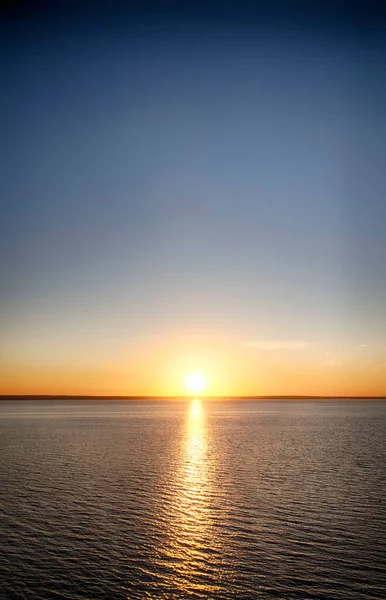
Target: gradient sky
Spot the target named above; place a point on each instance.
(194, 190)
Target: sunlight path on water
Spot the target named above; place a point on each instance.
(191, 540)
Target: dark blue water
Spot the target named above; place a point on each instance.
(179, 499)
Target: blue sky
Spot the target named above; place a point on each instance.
(163, 175)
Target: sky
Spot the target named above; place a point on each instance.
(193, 188)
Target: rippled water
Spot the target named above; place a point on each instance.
(219, 500)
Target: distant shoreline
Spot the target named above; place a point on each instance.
(69, 397)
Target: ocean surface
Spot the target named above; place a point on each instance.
(192, 499)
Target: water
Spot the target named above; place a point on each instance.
(167, 500)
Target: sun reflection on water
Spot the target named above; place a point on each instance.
(190, 518)
(194, 465)
(195, 410)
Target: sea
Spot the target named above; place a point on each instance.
(192, 499)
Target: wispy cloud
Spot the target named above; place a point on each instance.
(276, 344)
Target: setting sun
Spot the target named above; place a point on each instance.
(195, 383)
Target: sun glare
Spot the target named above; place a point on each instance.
(195, 383)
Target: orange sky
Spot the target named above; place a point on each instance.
(158, 366)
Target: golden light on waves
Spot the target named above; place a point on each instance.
(190, 532)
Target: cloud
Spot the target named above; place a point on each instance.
(276, 344)
(379, 368)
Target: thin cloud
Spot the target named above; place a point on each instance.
(276, 344)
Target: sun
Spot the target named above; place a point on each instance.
(195, 383)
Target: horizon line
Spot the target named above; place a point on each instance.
(184, 397)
